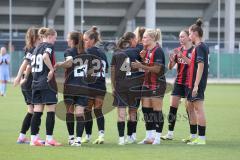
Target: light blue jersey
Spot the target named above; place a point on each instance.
(4, 67)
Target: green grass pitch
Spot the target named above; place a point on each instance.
(223, 133)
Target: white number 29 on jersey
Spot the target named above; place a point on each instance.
(37, 63)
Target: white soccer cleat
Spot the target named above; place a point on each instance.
(130, 140)
(167, 137)
(76, 144)
(156, 141)
(121, 141)
(70, 141)
(146, 141)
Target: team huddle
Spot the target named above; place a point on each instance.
(137, 79)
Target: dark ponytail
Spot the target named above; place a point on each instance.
(123, 43)
(77, 38)
(125, 40)
(199, 23)
(197, 27)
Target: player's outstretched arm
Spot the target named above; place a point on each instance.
(155, 68)
(66, 64)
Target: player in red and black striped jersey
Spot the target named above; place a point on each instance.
(198, 74)
(75, 87)
(180, 89)
(44, 87)
(24, 78)
(154, 86)
(96, 83)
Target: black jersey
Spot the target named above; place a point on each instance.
(119, 59)
(134, 55)
(99, 65)
(75, 76)
(199, 55)
(125, 77)
(27, 86)
(39, 68)
(76, 73)
(140, 46)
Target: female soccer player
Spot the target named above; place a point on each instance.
(139, 31)
(154, 86)
(99, 64)
(198, 79)
(126, 85)
(31, 40)
(44, 87)
(180, 89)
(4, 70)
(74, 82)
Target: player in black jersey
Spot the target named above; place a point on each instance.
(126, 85)
(198, 74)
(97, 84)
(44, 87)
(139, 31)
(180, 89)
(75, 73)
(31, 40)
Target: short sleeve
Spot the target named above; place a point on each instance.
(27, 56)
(49, 49)
(159, 57)
(68, 54)
(201, 52)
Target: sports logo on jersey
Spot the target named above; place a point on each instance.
(181, 61)
(49, 50)
(189, 55)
